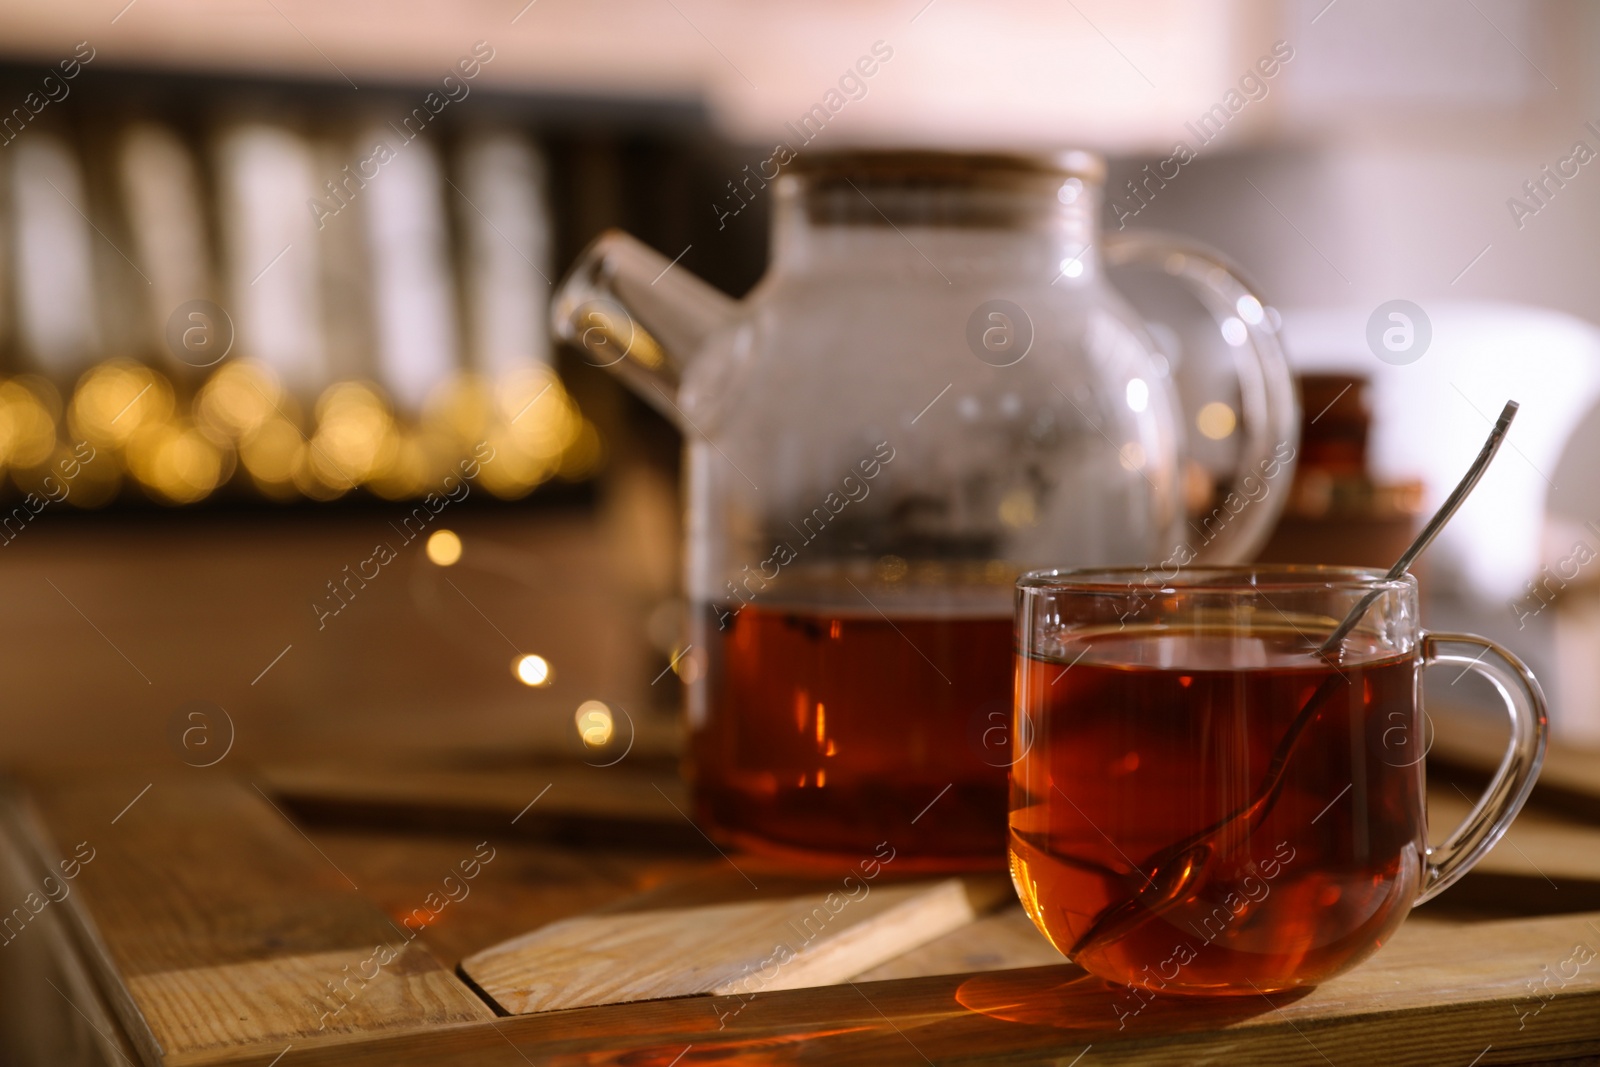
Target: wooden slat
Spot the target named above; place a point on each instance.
(530, 883)
(51, 1010)
(288, 999)
(1003, 941)
(744, 946)
(1550, 848)
(1439, 993)
(223, 927)
(640, 806)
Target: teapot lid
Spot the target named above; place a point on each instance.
(948, 166)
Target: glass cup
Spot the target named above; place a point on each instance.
(1201, 802)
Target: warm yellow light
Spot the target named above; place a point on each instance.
(530, 398)
(1018, 509)
(686, 665)
(525, 419)
(315, 478)
(513, 472)
(114, 400)
(176, 462)
(538, 416)
(416, 464)
(460, 410)
(237, 400)
(594, 723)
(520, 429)
(27, 427)
(444, 548)
(1216, 420)
(585, 454)
(272, 452)
(355, 432)
(530, 669)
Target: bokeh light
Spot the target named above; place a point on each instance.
(116, 399)
(507, 436)
(532, 670)
(686, 665)
(594, 722)
(271, 453)
(536, 424)
(461, 410)
(1216, 420)
(176, 463)
(411, 468)
(1019, 508)
(355, 435)
(444, 548)
(27, 421)
(237, 400)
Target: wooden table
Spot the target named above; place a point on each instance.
(225, 908)
(222, 915)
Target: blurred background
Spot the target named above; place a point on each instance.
(274, 274)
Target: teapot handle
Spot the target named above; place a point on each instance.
(1269, 419)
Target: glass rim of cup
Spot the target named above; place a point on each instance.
(1245, 578)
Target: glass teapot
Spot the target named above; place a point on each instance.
(933, 389)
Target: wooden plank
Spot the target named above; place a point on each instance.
(530, 882)
(1007, 940)
(1541, 845)
(51, 1011)
(217, 925)
(296, 999)
(1569, 779)
(641, 806)
(1439, 993)
(828, 935)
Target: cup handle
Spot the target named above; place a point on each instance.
(1519, 768)
(1269, 416)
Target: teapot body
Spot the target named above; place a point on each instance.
(1073, 451)
(933, 390)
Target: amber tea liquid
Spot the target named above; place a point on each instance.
(820, 732)
(1146, 737)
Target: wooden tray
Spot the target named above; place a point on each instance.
(210, 927)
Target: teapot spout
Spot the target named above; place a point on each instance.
(640, 315)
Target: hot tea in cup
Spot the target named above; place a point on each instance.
(1202, 802)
